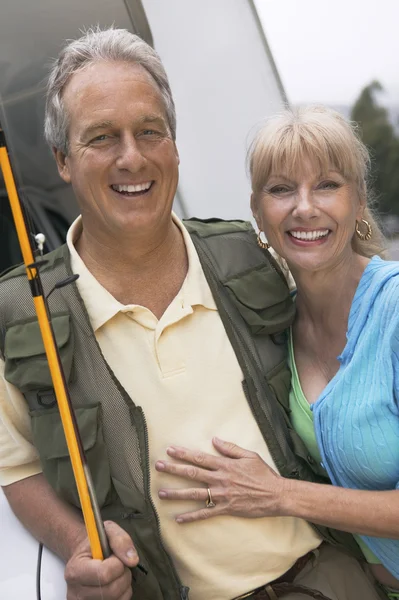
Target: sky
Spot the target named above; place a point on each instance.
(328, 50)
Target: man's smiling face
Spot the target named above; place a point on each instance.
(122, 161)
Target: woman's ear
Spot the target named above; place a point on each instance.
(362, 204)
(255, 211)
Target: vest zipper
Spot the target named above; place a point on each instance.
(183, 591)
(240, 333)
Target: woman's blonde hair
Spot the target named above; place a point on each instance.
(323, 137)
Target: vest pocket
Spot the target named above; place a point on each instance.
(279, 379)
(26, 364)
(264, 302)
(301, 451)
(132, 499)
(49, 439)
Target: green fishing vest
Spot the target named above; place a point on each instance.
(255, 307)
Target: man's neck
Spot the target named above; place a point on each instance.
(148, 271)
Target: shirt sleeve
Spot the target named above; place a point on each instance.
(18, 456)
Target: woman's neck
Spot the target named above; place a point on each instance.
(324, 298)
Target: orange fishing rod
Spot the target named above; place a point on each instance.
(88, 501)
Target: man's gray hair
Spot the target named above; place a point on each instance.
(99, 45)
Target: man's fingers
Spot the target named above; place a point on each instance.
(110, 570)
(231, 450)
(90, 572)
(121, 544)
(84, 571)
(118, 587)
(110, 579)
(90, 579)
(127, 595)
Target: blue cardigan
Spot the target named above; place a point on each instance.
(357, 415)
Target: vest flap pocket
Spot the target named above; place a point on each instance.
(49, 434)
(24, 339)
(263, 301)
(49, 439)
(26, 364)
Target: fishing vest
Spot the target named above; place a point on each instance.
(254, 304)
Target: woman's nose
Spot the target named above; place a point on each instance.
(304, 207)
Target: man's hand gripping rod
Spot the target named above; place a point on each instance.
(90, 509)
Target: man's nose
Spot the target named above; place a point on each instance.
(130, 156)
(305, 206)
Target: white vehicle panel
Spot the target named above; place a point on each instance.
(224, 83)
(18, 562)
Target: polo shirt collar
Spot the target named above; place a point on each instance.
(195, 289)
(101, 306)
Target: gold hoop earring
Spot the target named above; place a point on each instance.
(364, 236)
(261, 243)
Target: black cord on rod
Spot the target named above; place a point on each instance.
(39, 572)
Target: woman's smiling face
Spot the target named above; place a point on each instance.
(309, 218)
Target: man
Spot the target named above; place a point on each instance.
(160, 324)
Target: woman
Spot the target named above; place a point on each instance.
(342, 344)
(309, 172)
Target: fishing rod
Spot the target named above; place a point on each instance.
(84, 483)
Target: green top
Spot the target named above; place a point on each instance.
(302, 421)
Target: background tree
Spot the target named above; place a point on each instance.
(380, 137)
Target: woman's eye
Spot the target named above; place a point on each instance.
(279, 189)
(329, 185)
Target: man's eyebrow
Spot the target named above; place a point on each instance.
(101, 125)
(151, 119)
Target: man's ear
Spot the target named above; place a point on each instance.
(62, 164)
(177, 154)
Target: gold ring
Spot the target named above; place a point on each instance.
(210, 503)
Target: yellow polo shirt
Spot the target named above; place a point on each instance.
(183, 372)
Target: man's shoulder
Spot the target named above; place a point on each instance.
(214, 226)
(232, 248)
(48, 262)
(229, 254)
(230, 243)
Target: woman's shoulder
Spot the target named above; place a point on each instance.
(381, 277)
(377, 295)
(381, 292)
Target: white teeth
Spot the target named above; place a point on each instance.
(309, 235)
(132, 188)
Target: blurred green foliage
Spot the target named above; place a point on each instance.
(382, 139)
